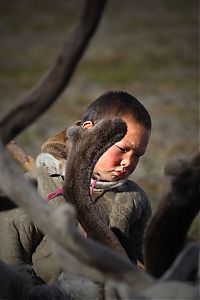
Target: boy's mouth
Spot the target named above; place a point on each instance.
(119, 173)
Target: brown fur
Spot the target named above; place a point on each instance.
(167, 231)
(20, 282)
(86, 148)
(56, 145)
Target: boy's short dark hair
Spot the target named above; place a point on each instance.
(117, 104)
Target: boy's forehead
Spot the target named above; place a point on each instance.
(131, 123)
(137, 134)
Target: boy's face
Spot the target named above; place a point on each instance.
(121, 159)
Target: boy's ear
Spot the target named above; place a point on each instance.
(87, 124)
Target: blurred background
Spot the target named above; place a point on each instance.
(148, 48)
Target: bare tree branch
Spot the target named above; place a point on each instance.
(95, 261)
(172, 290)
(49, 88)
(121, 291)
(27, 162)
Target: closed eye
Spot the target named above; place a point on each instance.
(121, 149)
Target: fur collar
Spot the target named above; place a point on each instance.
(108, 185)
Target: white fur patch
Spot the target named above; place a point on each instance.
(53, 165)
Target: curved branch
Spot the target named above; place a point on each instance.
(82, 257)
(49, 88)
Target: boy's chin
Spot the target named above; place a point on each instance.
(109, 178)
(118, 178)
(114, 178)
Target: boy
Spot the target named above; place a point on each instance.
(124, 204)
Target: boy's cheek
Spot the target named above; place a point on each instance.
(133, 167)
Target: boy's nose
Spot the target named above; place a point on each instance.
(129, 160)
(125, 162)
